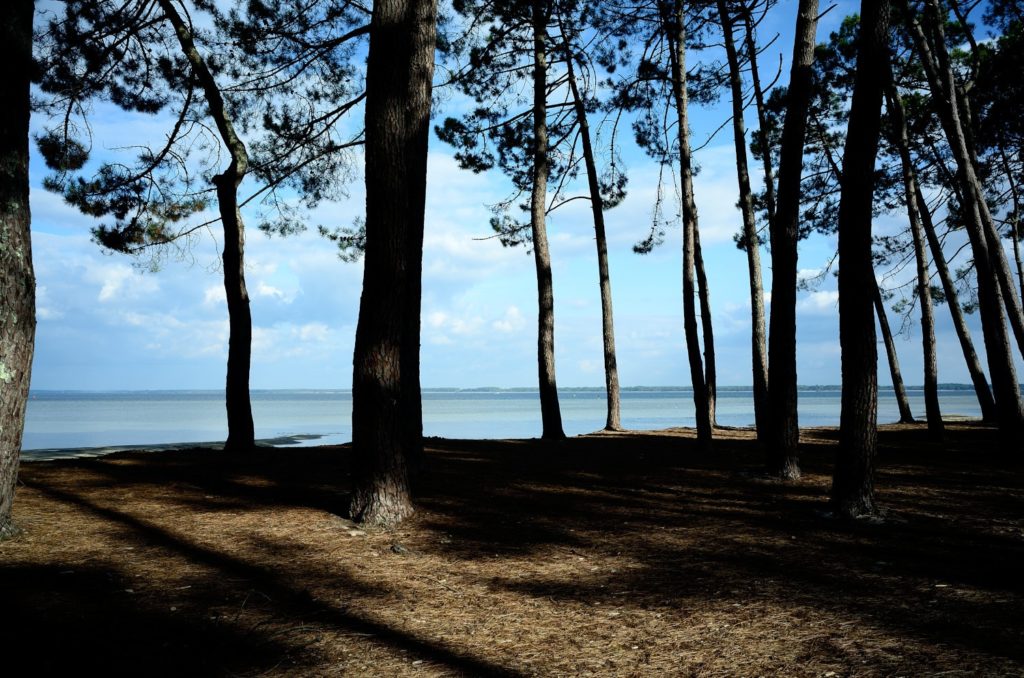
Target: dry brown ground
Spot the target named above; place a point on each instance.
(629, 554)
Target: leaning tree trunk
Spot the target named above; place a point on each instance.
(677, 53)
(706, 328)
(961, 120)
(613, 422)
(853, 482)
(1015, 233)
(239, 408)
(936, 428)
(1009, 409)
(784, 431)
(986, 402)
(758, 347)
(899, 389)
(17, 278)
(399, 70)
(551, 415)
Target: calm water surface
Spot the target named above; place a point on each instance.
(66, 419)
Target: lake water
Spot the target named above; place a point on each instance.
(75, 419)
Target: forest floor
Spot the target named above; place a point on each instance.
(619, 554)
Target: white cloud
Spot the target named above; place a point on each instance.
(821, 302)
(119, 281)
(513, 321)
(214, 295)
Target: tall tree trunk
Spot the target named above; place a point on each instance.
(936, 428)
(17, 278)
(239, 408)
(853, 482)
(551, 415)
(762, 116)
(784, 431)
(758, 347)
(676, 33)
(613, 421)
(706, 328)
(399, 72)
(986, 402)
(900, 390)
(1010, 411)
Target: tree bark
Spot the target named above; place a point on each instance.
(17, 277)
(1015, 222)
(784, 431)
(900, 390)
(762, 120)
(239, 408)
(758, 346)
(706, 328)
(676, 34)
(853, 481)
(981, 388)
(551, 415)
(613, 421)
(1009, 409)
(399, 73)
(933, 413)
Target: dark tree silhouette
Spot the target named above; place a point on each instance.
(853, 481)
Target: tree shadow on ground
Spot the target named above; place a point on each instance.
(695, 531)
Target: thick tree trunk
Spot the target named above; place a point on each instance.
(1009, 409)
(986, 402)
(899, 389)
(784, 431)
(758, 346)
(676, 33)
(853, 482)
(551, 415)
(239, 407)
(399, 72)
(613, 421)
(924, 295)
(17, 278)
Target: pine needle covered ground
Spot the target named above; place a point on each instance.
(624, 554)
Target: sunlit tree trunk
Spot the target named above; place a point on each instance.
(853, 481)
(707, 329)
(676, 33)
(758, 346)
(924, 295)
(399, 72)
(762, 120)
(613, 421)
(551, 416)
(17, 278)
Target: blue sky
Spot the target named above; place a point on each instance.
(105, 324)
